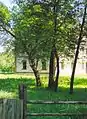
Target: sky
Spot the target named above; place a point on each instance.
(8, 4)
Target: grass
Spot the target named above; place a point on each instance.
(9, 89)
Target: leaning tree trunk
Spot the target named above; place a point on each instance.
(37, 76)
(33, 66)
(77, 52)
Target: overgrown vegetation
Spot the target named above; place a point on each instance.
(7, 62)
(9, 89)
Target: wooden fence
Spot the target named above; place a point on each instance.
(11, 109)
(17, 109)
(23, 96)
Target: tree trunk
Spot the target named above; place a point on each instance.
(37, 76)
(77, 52)
(33, 66)
(57, 73)
(51, 70)
(53, 80)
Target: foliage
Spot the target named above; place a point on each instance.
(7, 62)
(4, 14)
(29, 29)
(34, 27)
(5, 23)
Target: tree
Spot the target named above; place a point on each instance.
(78, 47)
(10, 29)
(61, 17)
(55, 17)
(30, 36)
(43, 29)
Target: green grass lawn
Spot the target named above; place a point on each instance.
(9, 89)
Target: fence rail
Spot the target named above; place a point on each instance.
(56, 114)
(23, 96)
(55, 102)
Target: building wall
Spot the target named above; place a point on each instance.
(81, 67)
(66, 69)
(19, 65)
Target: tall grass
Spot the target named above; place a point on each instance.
(9, 89)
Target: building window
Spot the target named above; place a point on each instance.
(72, 65)
(82, 49)
(24, 64)
(62, 65)
(86, 67)
(44, 65)
(82, 65)
(86, 51)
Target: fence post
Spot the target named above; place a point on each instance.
(23, 96)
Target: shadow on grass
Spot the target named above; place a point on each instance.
(42, 93)
(63, 94)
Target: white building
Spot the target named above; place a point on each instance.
(22, 64)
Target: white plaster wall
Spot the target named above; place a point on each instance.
(19, 65)
(80, 69)
(66, 71)
(67, 68)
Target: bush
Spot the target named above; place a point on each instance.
(6, 69)
(7, 63)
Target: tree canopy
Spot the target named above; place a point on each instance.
(40, 27)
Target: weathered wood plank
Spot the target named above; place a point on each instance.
(56, 114)
(1, 108)
(21, 109)
(11, 109)
(23, 96)
(55, 102)
(4, 108)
